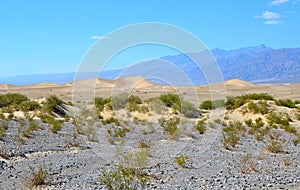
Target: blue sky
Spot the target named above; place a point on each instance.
(52, 36)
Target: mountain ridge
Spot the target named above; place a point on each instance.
(257, 64)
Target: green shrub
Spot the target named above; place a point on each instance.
(275, 147)
(260, 107)
(12, 99)
(230, 139)
(127, 175)
(212, 104)
(3, 129)
(248, 122)
(119, 101)
(101, 102)
(170, 126)
(46, 118)
(56, 126)
(297, 140)
(181, 161)
(55, 105)
(286, 103)
(171, 101)
(111, 120)
(135, 99)
(27, 106)
(157, 105)
(188, 109)
(38, 177)
(200, 127)
(276, 119)
(238, 101)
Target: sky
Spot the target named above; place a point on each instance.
(52, 36)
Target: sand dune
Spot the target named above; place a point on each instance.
(237, 82)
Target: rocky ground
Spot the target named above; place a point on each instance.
(74, 162)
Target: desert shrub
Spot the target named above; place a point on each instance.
(28, 105)
(275, 120)
(200, 127)
(248, 164)
(119, 101)
(134, 104)
(188, 109)
(12, 99)
(286, 103)
(3, 129)
(238, 101)
(230, 139)
(101, 102)
(114, 133)
(129, 174)
(232, 133)
(157, 105)
(111, 120)
(135, 99)
(171, 101)
(260, 107)
(212, 104)
(54, 105)
(275, 144)
(181, 161)
(248, 122)
(46, 118)
(171, 127)
(56, 126)
(218, 121)
(275, 147)
(37, 178)
(143, 144)
(297, 140)
(11, 116)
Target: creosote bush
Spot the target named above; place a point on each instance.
(128, 174)
(37, 178)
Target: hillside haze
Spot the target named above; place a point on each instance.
(258, 64)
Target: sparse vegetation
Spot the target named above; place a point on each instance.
(248, 164)
(101, 102)
(54, 105)
(188, 109)
(286, 103)
(171, 126)
(129, 174)
(181, 161)
(212, 104)
(200, 127)
(238, 101)
(171, 101)
(37, 178)
(119, 101)
(56, 126)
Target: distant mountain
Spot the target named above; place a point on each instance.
(259, 64)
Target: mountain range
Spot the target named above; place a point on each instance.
(258, 64)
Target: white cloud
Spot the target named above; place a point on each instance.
(277, 2)
(99, 37)
(272, 22)
(270, 15)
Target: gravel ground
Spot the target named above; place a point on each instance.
(76, 163)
